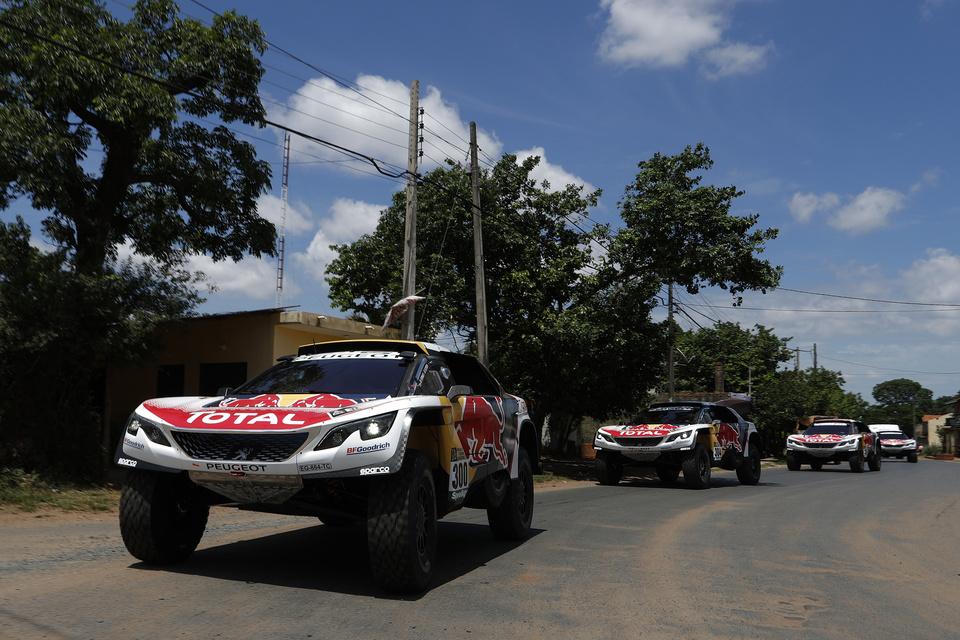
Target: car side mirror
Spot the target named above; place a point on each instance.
(224, 391)
(459, 390)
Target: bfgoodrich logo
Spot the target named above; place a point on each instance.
(352, 451)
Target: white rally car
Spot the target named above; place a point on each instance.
(834, 440)
(394, 434)
(691, 437)
(895, 444)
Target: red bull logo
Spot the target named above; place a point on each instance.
(480, 429)
(728, 437)
(263, 400)
(323, 401)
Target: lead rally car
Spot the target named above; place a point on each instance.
(834, 440)
(691, 437)
(395, 434)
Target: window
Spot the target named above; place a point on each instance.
(215, 375)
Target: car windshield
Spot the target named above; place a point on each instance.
(829, 430)
(345, 377)
(891, 435)
(668, 415)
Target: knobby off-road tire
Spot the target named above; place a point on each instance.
(696, 468)
(749, 470)
(792, 463)
(668, 474)
(856, 461)
(875, 460)
(402, 526)
(161, 516)
(912, 456)
(511, 519)
(816, 466)
(609, 467)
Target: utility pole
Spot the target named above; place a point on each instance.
(478, 251)
(410, 227)
(797, 365)
(282, 241)
(814, 357)
(670, 338)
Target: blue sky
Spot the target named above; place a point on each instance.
(837, 119)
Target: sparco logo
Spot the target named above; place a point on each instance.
(234, 466)
(374, 470)
(127, 462)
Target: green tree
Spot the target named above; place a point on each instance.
(104, 130)
(565, 331)
(749, 357)
(678, 231)
(902, 401)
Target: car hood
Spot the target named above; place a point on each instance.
(643, 430)
(258, 412)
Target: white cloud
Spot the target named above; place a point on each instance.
(251, 278)
(736, 59)
(802, 206)
(930, 178)
(869, 210)
(297, 220)
(935, 278)
(555, 175)
(348, 220)
(372, 118)
(667, 33)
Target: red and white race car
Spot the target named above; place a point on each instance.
(691, 437)
(393, 434)
(834, 440)
(895, 444)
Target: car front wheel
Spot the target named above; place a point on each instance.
(749, 470)
(402, 526)
(511, 519)
(696, 468)
(162, 516)
(792, 463)
(609, 467)
(856, 462)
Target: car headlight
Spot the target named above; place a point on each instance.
(682, 435)
(369, 428)
(153, 432)
(603, 436)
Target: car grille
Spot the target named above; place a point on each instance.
(639, 442)
(260, 447)
(821, 445)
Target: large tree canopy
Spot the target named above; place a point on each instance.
(101, 129)
(749, 358)
(681, 232)
(564, 331)
(118, 133)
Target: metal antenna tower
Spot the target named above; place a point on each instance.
(282, 241)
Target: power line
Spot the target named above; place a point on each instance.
(833, 295)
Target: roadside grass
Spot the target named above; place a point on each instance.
(29, 493)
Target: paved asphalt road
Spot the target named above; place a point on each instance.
(805, 554)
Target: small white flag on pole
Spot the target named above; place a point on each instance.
(399, 308)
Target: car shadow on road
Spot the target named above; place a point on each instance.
(335, 559)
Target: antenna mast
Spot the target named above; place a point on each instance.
(282, 240)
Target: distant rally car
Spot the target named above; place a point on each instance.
(834, 440)
(395, 434)
(691, 437)
(895, 444)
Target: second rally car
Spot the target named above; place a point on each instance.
(680, 437)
